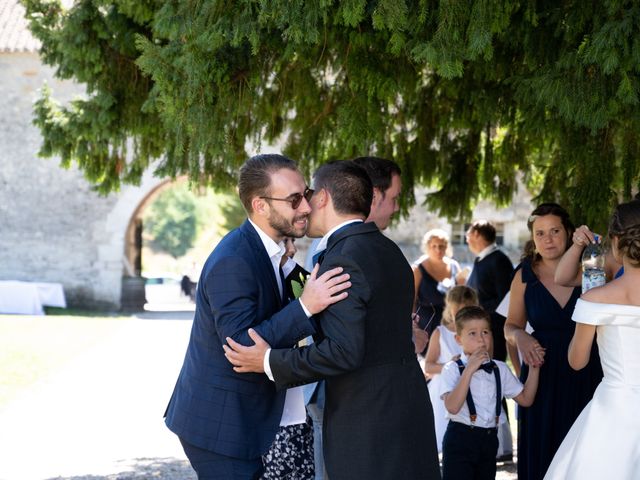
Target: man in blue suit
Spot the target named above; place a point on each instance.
(224, 420)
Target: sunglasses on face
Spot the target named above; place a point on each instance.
(295, 199)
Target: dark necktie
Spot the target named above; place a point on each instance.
(488, 367)
(283, 283)
(318, 257)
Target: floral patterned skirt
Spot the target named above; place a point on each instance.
(290, 456)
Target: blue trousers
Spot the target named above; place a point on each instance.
(469, 453)
(212, 466)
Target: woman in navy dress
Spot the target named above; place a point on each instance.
(434, 274)
(547, 307)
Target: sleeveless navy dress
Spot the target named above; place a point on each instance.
(562, 392)
(431, 295)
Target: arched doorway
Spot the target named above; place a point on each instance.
(133, 284)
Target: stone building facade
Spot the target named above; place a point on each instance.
(510, 223)
(53, 226)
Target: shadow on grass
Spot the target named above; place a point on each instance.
(144, 469)
(77, 312)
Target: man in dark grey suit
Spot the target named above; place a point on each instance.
(387, 186)
(226, 421)
(378, 421)
(491, 278)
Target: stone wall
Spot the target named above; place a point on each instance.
(408, 232)
(53, 226)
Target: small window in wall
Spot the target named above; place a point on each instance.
(459, 229)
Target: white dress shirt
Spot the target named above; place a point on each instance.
(322, 245)
(483, 392)
(294, 411)
(486, 251)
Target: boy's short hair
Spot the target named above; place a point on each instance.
(473, 312)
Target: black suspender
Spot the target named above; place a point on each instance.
(472, 407)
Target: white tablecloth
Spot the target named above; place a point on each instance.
(29, 298)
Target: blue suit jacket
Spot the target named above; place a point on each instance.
(212, 407)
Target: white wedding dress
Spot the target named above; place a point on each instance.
(604, 441)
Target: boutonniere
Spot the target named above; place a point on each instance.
(297, 285)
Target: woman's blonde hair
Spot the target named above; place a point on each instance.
(460, 295)
(430, 235)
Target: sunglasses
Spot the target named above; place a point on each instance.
(295, 199)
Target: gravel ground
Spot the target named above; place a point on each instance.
(171, 469)
(144, 469)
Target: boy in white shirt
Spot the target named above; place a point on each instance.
(472, 390)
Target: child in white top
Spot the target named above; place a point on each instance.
(443, 348)
(472, 398)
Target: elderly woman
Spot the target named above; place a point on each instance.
(434, 274)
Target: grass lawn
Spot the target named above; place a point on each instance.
(33, 347)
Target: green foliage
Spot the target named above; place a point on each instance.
(180, 215)
(171, 221)
(463, 94)
(232, 211)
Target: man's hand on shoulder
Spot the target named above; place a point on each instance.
(327, 289)
(247, 359)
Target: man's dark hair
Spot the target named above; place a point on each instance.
(485, 229)
(348, 184)
(472, 312)
(380, 170)
(255, 176)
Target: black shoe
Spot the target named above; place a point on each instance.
(506, 458)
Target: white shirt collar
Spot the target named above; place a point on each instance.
(325, 239)
(273, 249)
(486, 251)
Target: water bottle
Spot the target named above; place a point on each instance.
(593, 265)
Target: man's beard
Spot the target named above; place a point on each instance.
(285, 227)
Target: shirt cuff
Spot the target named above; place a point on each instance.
(266, 366)
(304, 309)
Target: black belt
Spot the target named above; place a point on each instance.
(487, 430)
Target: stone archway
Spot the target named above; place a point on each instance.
(133, 233)
(124, 227)
(132, 281)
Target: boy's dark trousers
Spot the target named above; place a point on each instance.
(469, 453)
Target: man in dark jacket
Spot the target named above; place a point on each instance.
(491, 277)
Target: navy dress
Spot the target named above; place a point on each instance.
(562, 392)
(431, 294)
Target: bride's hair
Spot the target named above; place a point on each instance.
(625, 225)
